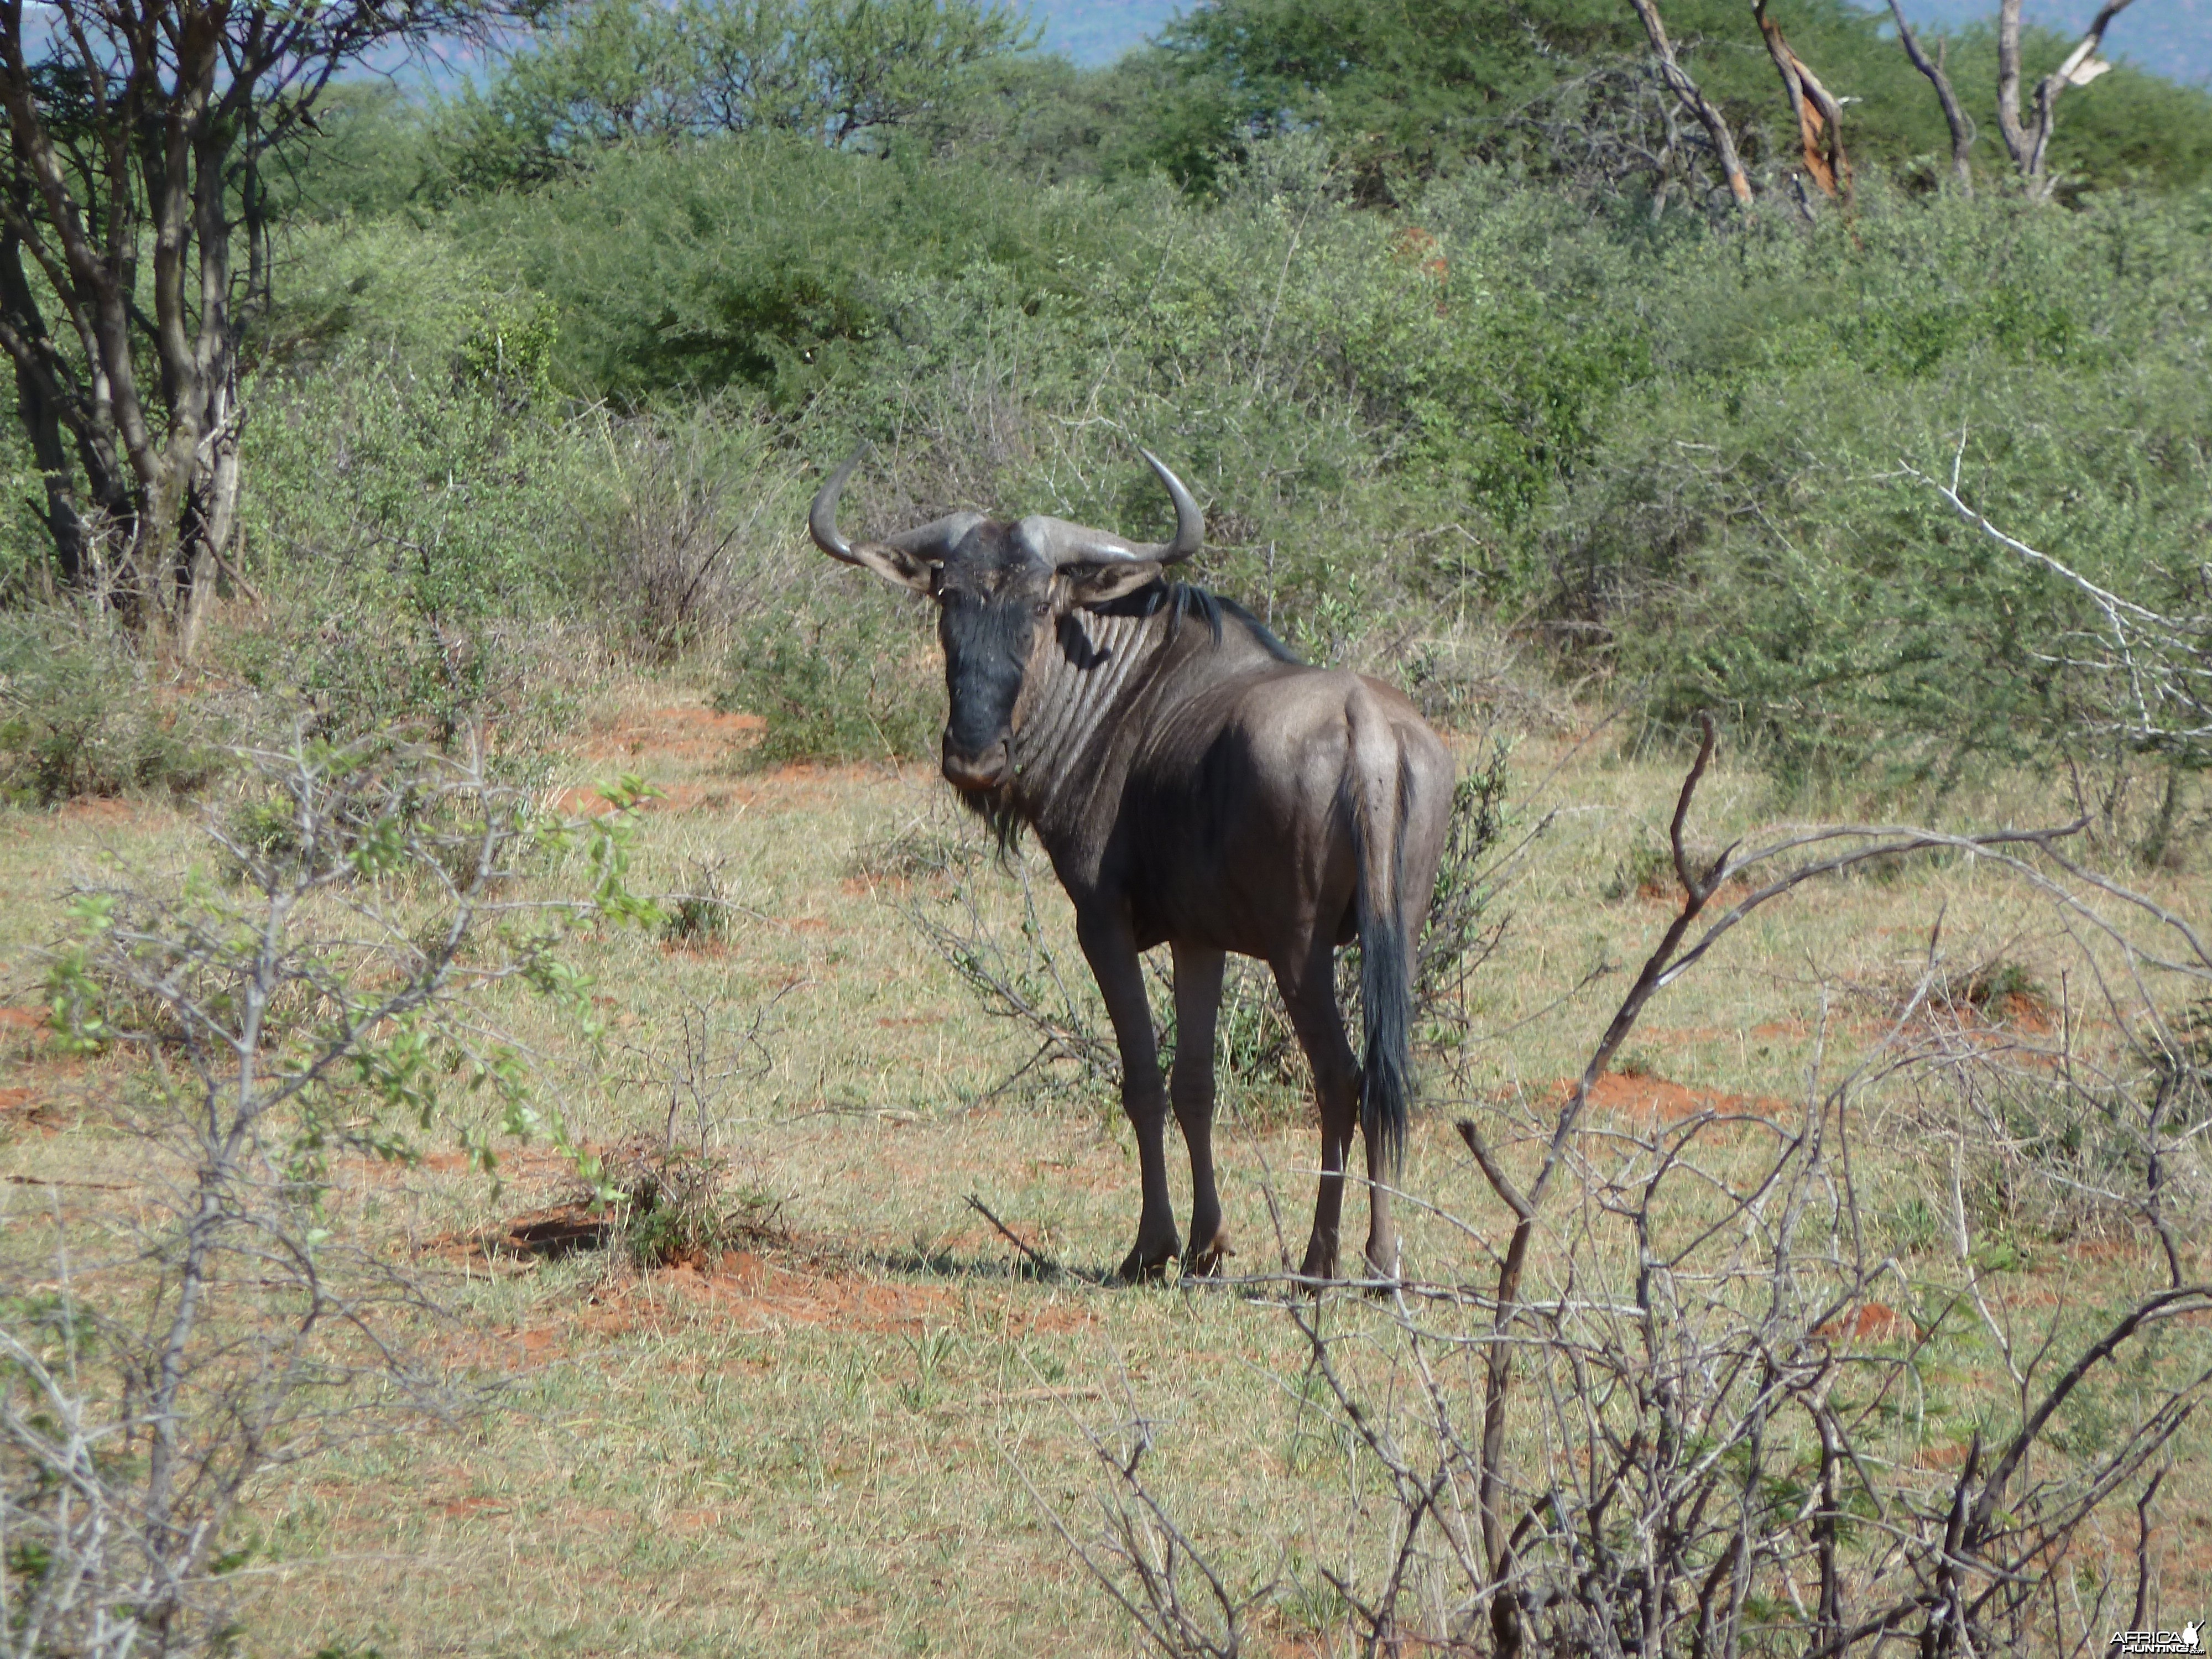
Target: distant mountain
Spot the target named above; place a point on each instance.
(2173, 38)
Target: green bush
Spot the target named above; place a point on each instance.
(414, 519)
(763, 260)
(80, 716)
(1669, 446)
(1744, 537)
(1409, 91)
(849, 677)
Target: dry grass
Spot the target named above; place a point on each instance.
(829, 1445)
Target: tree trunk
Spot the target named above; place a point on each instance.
(211, 524)
(2030, 148)
(165, 477)
(39, 408)
(170, 104)
(2015, 136)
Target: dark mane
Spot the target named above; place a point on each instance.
(1181, 599)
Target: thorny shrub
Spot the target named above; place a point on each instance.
(79, 715)
(324, 1002)
(836, 676)
(681, 1195)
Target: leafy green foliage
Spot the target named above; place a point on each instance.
(852, 679)
(831, 71)
(1677, 448)
(1407, 92)
(1670, 444)
(766, 261)
(415, 513)
(80, 716)
(1399, 90)
(1750, 543)
(369, 154)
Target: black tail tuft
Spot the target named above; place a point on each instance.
(1386, 1083)
(1386, 987)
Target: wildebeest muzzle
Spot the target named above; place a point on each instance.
(986, 645)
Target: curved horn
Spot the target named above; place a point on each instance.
(821, 517)
(1057, 541)
(933, 541)
(1191, 523)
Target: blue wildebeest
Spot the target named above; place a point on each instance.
(1193, 783)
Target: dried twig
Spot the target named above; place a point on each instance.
(1046, 1267)
(2162, 665)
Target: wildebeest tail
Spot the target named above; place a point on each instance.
(1379, 786)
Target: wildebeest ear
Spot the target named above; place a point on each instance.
(1099, 584)
(896, 565)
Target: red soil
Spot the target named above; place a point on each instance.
(1874, 1322)
(677, 733)
(96, 810)
(1661, 1100)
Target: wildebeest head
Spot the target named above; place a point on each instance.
(1001, 590)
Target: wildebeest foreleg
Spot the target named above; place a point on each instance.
(1198, 1000)
(1309, 987)
(1111, 949)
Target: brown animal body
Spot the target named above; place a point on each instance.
(1195, 785)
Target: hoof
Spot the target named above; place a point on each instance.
(1388, 1270)
(1206, 1262)
(1319, 1265)
(1141, 1266)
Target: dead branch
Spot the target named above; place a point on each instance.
(314, 1004)
(2161, 663)
(1820, 118)
(1702, 108)
(1144, 1561)
(1046, 1267)
(2030, 148)
(1684, 1425)
(1954, 116)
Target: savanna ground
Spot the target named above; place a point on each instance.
(845, 1431)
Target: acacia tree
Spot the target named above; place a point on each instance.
(134, 132)
(616, 71)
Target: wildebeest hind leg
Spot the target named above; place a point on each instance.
(1198, 1001)
(1309, 987)
(1111, 949)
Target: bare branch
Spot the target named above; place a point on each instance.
(1954, 116)
(1701, 108)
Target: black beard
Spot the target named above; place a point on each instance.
(997, 809)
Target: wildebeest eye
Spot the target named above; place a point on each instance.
(1042, 608)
